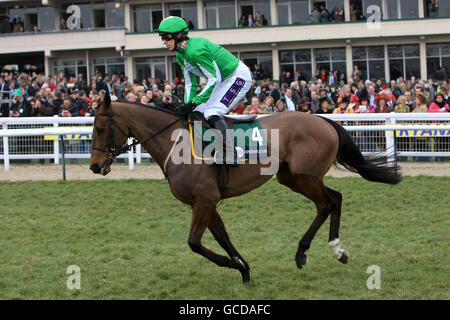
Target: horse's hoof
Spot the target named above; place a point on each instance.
(245, 276)
(301, 259)
(344, 257)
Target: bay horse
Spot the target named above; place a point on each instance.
(308, 146)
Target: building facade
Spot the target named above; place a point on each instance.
(385, 38)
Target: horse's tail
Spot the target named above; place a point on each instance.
(349, 155)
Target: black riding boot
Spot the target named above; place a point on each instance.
(228, 155)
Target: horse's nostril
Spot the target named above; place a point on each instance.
(95, 168)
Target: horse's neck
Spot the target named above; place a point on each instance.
(144, 122)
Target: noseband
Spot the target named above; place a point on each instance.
(111, 149)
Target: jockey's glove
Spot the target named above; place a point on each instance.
(185, 108)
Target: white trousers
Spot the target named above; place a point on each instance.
(227, 93)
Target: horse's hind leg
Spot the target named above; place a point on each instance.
(335, 217)
(204, 215)
(312, 188)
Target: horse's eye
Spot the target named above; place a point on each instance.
(100, 130)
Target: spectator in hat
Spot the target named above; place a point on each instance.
(364, 106)
(20, 106)
(343, 106)
(305, 105)
(381, 103)
(323, 93)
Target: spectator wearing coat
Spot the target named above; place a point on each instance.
(439, 104)
(20, 106)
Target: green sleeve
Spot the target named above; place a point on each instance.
(209, 68)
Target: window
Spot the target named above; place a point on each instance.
(46, 19)
(146, 18)
(220, 14)
(154, 67)
(296, 60)
(442, 10)
(114, 14)
(370, 60)
(113, 65)
(404, 61)
(263, 59)
(402, 9)
(292, 11)
(438, 55)
(185, 10)
(330, 59)
(252, 6)
(70, 68)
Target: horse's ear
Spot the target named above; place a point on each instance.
(107, 98)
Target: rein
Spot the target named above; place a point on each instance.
(112, 151)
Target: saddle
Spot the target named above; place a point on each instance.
(249, 137)
(230, 119)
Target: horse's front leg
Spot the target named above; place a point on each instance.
(219, 232)
(202, 216)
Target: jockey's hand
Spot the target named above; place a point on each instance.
(184, 109)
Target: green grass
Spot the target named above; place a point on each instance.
(129, 239)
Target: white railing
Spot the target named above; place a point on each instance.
(23, 138)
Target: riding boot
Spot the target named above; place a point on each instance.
(228, 154)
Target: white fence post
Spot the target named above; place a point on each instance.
(56, 145)
(5, 149)
(389, 141)
(130, 156)
(139, 154)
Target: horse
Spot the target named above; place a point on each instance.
(308, 145)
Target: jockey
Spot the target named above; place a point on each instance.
(228, 79)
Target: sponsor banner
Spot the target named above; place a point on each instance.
(424, 133)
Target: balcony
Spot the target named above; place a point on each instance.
(63, 40)
(301, 33)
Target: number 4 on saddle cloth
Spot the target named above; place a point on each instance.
(250, 139)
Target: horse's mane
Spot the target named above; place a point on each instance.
(150, 107)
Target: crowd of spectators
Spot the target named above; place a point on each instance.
(247, 20)
(35, 94)
(320, 14)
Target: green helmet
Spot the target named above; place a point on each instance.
(172, 25)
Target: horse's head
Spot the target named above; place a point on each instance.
(107, 139)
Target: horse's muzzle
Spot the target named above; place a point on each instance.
(95, 168)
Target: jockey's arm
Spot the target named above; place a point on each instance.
(208, 68)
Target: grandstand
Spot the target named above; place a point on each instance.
(403, 38)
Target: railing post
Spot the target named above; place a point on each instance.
(5, 149)
(390, 149)
(56, 145)
(139, 154)
(130, 156)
